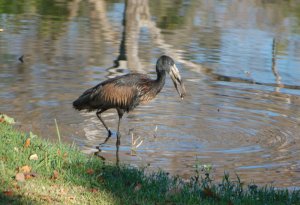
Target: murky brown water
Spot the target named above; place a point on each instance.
(240, 61)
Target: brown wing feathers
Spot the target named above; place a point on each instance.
(117, 96)
(124, 92)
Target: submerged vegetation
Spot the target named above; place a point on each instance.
(36, 171)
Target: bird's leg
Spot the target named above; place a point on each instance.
(106, 139)
(120, 113)
(108, 130)
(98, 113)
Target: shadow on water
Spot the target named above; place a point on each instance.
(239, 61)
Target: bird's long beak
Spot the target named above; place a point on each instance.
(176, 78)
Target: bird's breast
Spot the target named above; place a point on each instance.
(147, 97)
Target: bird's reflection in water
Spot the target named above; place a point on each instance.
(98, 153)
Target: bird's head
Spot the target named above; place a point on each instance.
(167, 64)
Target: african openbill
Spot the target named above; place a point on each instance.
(126, 92)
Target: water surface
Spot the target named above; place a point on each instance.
(239, 59)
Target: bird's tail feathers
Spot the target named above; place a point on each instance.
(82, 102)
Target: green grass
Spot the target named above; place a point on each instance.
(64, 175)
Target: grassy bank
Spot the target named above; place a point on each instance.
(35, 171)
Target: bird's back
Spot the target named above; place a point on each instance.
(124, 92)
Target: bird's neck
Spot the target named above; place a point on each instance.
(160, 80)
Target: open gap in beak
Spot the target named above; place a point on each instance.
(178, 83)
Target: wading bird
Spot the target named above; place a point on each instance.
(126, 92)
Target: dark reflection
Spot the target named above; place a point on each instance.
(274, 69)
(21, 59)
(218, 77)
(134, 13)
(122, 51)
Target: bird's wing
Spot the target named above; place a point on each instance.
(114, 95)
